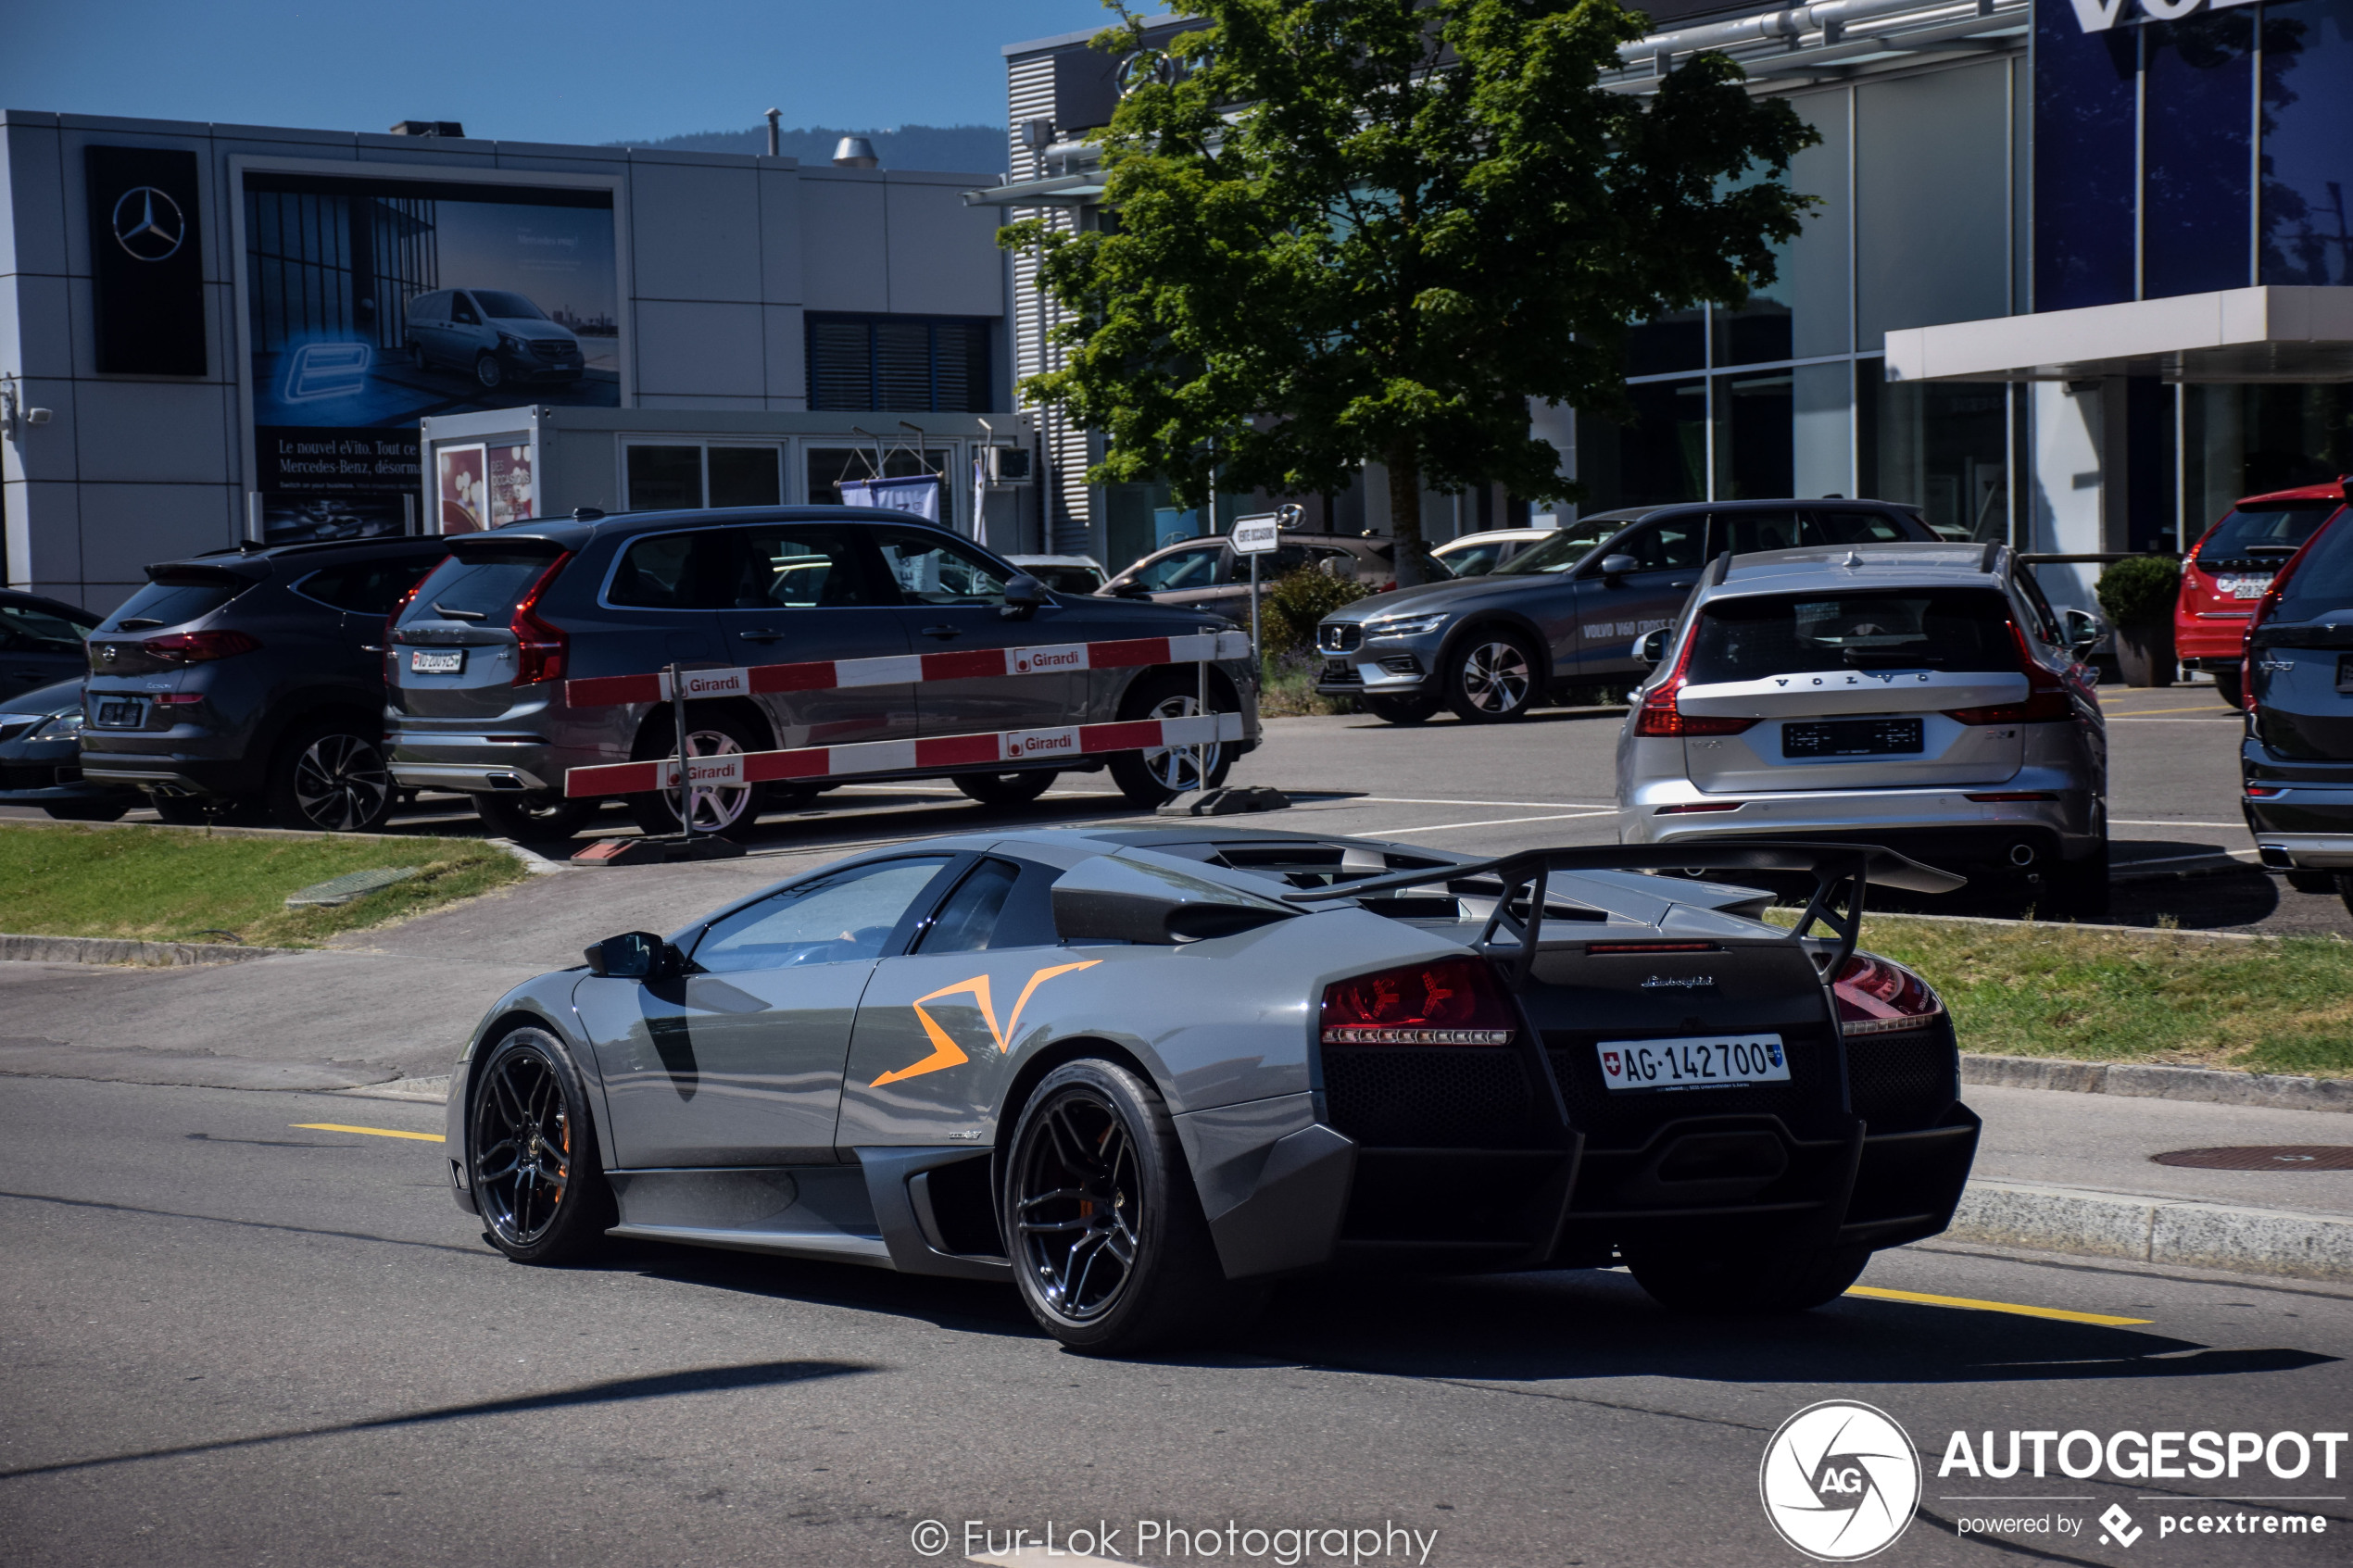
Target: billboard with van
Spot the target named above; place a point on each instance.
(372, 302)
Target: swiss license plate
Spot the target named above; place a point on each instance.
(121, 713)
(1852, 738)
(2243, 587)
(1695, 1061)
(433, 661)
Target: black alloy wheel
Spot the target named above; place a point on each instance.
(531, 1154)
(1490, 677)
(331, 779)
(1005, 789)
(489, 373)
(1109, 1245)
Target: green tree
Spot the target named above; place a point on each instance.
(1343, 231)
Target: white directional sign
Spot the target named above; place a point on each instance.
(1257, 535)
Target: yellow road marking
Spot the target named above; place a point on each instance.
(1921, 1300)
(372, 1131)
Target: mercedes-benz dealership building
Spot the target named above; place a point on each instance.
(211, 333)
(2076, 280)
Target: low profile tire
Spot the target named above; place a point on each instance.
(2228, 685)
(1717, 1283)
(531, 1154)
(2312, 882)
(88, 811)
(329, 776)
(1005, 789)
(1490, 677)
(1154, 778)
(491, 375)
(530, 817)
(715, 810)
(1401, 709)
(1110, 1249)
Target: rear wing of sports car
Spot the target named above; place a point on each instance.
(1840, 874)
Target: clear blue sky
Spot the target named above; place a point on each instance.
(584, 70)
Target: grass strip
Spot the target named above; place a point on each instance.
(2272, 1005)
(173, 885)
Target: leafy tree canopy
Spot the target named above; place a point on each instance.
(1348, 229)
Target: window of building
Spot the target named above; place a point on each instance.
(674, 476)
(898, 362)
(2308, 141)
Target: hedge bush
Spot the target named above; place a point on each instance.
(2140, 593)
(1289, 611)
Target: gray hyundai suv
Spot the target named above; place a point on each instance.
(480, 654)
(1567, 611)
(1924, 698)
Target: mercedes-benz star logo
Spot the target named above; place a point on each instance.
(148, 223)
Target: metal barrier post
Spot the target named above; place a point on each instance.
(1201, 750)
(686, 788)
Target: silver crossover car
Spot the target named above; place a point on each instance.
(1924, 697)
(1138, 1072)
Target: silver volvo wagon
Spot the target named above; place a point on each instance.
(1924, 697)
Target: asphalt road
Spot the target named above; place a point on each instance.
(233, 1340)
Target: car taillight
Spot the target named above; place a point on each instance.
(1445, 1002)
(1878, 998)
(2047, 699)
(195, 648)
(540, 646)
(1662, 714)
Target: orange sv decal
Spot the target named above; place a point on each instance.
(945, 1052)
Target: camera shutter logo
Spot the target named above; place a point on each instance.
(1840, 1481)
(148, 224)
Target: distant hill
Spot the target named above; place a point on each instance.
(956, 149)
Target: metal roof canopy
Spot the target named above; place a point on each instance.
(2258, 334)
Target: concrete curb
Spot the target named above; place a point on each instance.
(111, 949)
(2156, 1230)
(2279, 1091)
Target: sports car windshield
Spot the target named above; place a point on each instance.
(827, 919)
(1749, 639)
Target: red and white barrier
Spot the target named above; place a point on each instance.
(833, 675)
(937, 754)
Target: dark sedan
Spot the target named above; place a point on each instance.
(40, 757)
(39, 641)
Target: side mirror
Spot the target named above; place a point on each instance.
(635, 955)
(1024, 595)
(1115, 898)
(1651, 647)
(1615, 566)
(2083, 629)
(1130, 591)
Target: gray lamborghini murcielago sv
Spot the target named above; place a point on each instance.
(1143, 1071)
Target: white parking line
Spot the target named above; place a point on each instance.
(2167, 823)
(1493, 822)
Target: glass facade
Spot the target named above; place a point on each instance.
(1915, 182)
(2225, 196)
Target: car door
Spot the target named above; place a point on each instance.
(39, 646)
(952, 600)
(364, 593)
(1612, 610)
(802, 592)
(937, 1028)
(740, 1061)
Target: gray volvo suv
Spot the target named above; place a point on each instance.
(480, 653)
(1565, 612)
